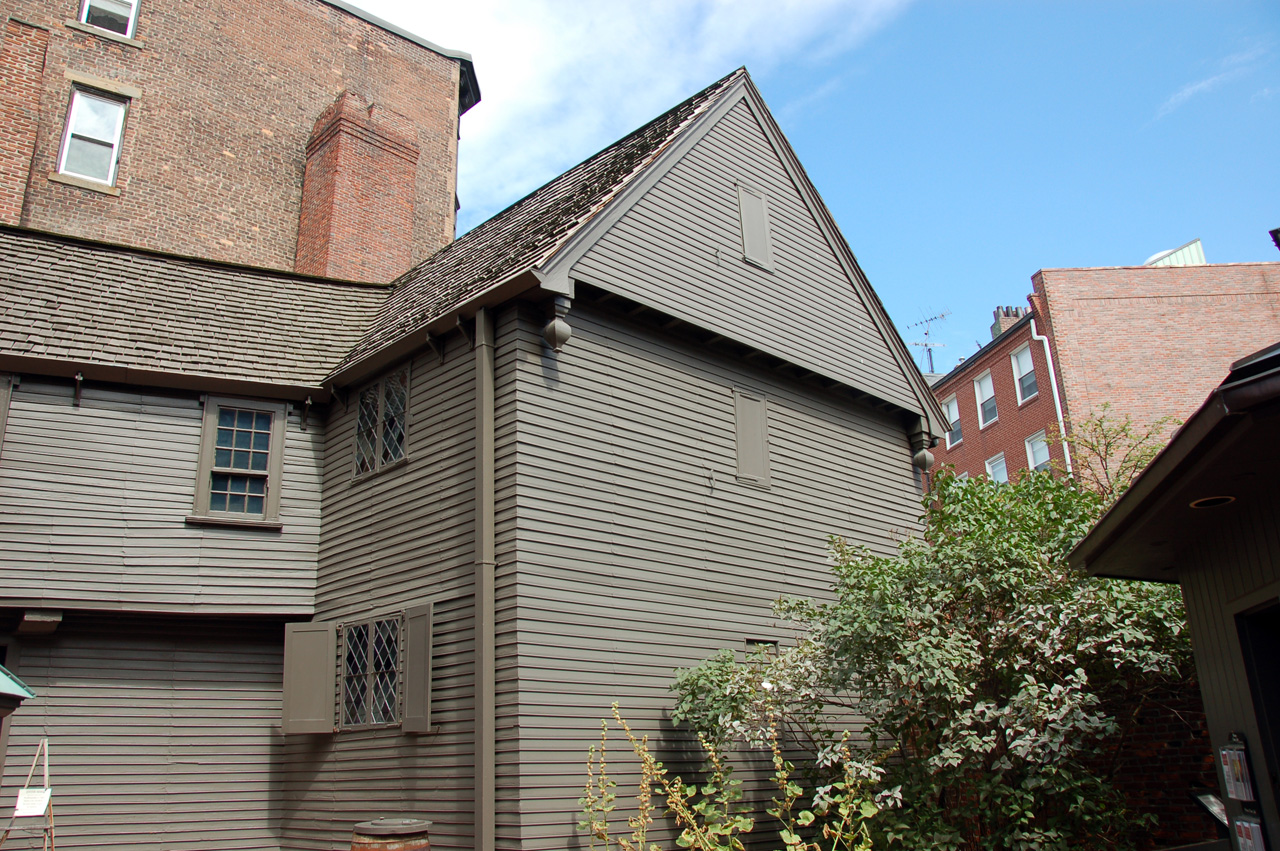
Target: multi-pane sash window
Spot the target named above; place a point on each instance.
(91, 147)
(997, 469)
(241, 461)
(371, 672)
(985, 392)
(1038, 452)
(382, 422)
(1024, 374)
(118, 16)
(954, 435)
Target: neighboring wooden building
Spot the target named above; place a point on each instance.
(587, 443)
(1205, 514)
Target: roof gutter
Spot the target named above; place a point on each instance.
(1057, 398)
(201, 382)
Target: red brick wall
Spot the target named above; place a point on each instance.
(1014, 423)
(357, 196)
(21, 72)
(214, 149)
(1155, 341)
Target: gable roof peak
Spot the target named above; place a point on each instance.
(528, 233)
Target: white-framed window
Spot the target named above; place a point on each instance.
(1024, 374)
(91, 143)
(117, 16)
(997, 469)
(954, 435)
(371, 671)
(241, 461)
(1038, 451)
(382, 422)
(984, 391)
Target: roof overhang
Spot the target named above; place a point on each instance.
(1228, 448)
(201, 382)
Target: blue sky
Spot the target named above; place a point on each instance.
(960, 146)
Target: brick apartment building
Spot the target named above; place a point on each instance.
(1151, 340)
(247, 132)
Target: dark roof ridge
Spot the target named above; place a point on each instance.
(967, 362)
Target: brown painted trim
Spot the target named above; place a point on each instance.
(115, 374)
(486, 595)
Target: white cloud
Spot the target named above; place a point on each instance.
(561, 79)
(1235, 65)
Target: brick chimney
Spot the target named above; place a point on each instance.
(358, 193)
(21, 74)
(1006, 318)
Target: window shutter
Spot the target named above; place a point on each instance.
(309, 670)
(752, 421)
(755, 227)
(417, 670)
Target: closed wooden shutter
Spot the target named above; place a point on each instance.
(755, 227)
(752, 425)
(310, 669)
(417, 670)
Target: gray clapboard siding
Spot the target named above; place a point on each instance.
(93, 501)
(638, 550)
(1234, 571)
(687, 227)
(392, 540)
(162, 731)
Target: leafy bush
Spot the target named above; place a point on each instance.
(984, 670)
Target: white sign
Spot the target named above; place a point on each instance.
(32, 802)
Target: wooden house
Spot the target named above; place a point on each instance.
(284, 553)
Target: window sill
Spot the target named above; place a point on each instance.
(234, 522)
(762, 484)
(1030, 398)
(108, 35)
(83, 183)
(381, 471)
(759, 264)
(951, 446)
(988, 424)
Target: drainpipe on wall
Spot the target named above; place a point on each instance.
(1057, 400)
(486, 656)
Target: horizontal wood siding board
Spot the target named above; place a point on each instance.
(163, 731)
(94, 500)
(638, 551)
(687, 227)
(393, 540)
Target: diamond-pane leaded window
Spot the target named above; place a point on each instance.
(371, 673)
(382, 422)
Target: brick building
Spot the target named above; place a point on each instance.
(1103, 335)
(248, 132)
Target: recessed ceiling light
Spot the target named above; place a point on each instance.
(1212, 501)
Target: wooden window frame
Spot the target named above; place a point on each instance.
(77, 93)
(368, 675)
(133, 18)
(1018, 376)
(1042, 437)
(379, 464)
(953, 425)
(983, 422)
(274, 474)
(999, 456)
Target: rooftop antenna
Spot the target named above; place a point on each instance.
(927, 344)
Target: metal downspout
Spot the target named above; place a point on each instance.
(1057, 401)
(486, 657)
